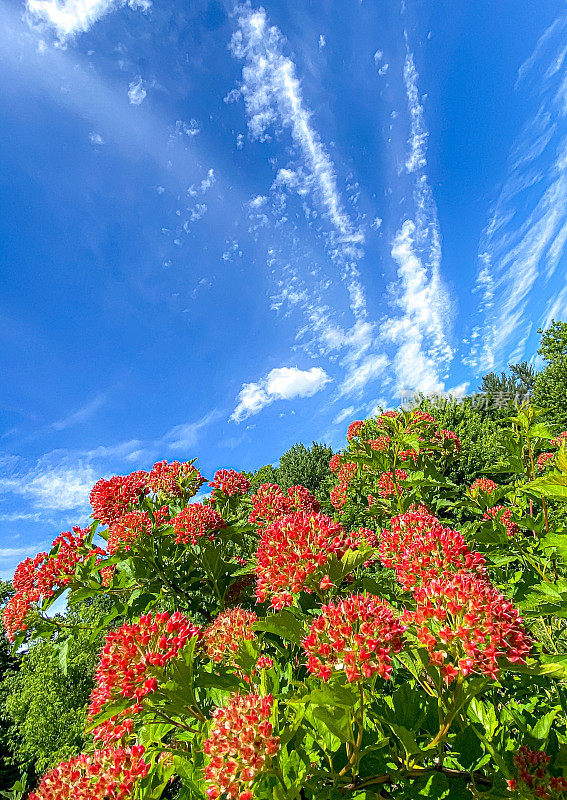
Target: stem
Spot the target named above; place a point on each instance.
(353, 758)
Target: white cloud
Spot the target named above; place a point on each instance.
(61, 487)
(136, 92)
(346, 413)
(525, 239)
(420, 332)
(378, 56)
(96, 138)
(282, 383)
(322, 41)
(82, 414)
(184, 437)
(273, 96)
(69, 17)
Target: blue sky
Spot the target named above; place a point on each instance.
(227, 228)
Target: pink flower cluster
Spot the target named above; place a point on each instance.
(126, 529)
(346, 473)
(388, 481)
(196, 521)
(270, 502)
(467, 625)
(292, 553)
(543, 460)
(239, 746)
(558, 441)
(223, 638)
(503, 515)
(110, 774)
(483, 485)
(354, 428)
(230, 482)
(420, 549)
(533, 776)
(357, 636)
(39, 577)
(132, 660)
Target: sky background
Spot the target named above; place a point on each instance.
(228, 228)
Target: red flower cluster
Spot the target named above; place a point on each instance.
(39, 577)
(335, 463)
(127, 529)
(558, 441)
(386, 485)
(483, 485)
(131, 661)
(196, 521)
(420, 419)
(110, 774)
(338, 495)
(449, 439)
(175, 479)
(533, 778)
(543, 459)
(270, 502)
(357, 636)
(112, 498)
(292, 553)
(230, 482)
(420, 549)
(380, 444)
(223, 637)
(466, 625)
(503, 515)
(239, 746)
(382, 420)
(354, 429)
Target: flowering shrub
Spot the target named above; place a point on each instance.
(403, 638)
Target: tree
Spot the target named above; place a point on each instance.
(519, 384)
(8, 666)
(45, 700)
(550, 391)
(305, 466)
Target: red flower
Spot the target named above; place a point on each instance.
(357, 636)
(335, 463)
(466, 625)
(196, 521)
(110, 774)
(293, 553)
(239, 746)
(354, 428)
(230, 482)
(557, 442)
(38, 578)
(483, 485)
(449, 440)
(127, 529)
(269, 503)
(175, 479)
(112, 498)
(131, 664)
(543, 460)
(533, 776)
(223, 638)
(420, 549)
(386, 486)
(380, 444)
(346, 473)
(503, 515)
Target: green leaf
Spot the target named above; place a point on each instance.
(552, 486)
(284, 623)
(333, 695)
(62, 650)
(542, 727)
(336, 720)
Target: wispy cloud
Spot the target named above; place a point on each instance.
(421, 331)
(526, 234)
(184, 437)
(282, 383)
(53, 486)
(273, 98)
(69, 17)
(82, 414)
(136, 91)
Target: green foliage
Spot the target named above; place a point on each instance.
(45, 699)
(550, 388)
(305, 466)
